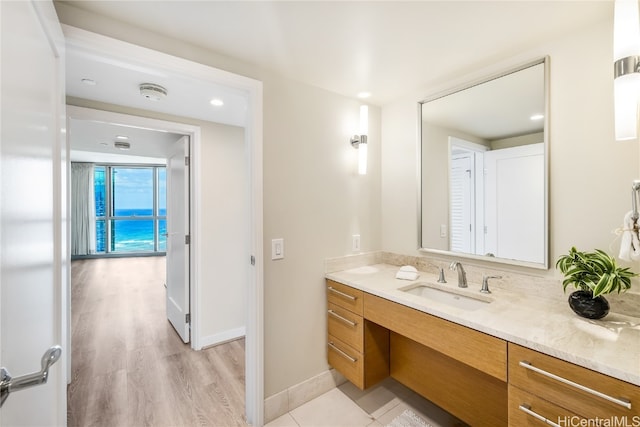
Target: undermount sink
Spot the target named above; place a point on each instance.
(445, 297)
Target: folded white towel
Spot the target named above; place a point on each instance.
(630, 242)
(407, 272)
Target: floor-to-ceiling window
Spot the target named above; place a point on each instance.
(131, 208)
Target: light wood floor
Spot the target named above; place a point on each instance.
(130, 368)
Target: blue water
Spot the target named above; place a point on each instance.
(132, 235)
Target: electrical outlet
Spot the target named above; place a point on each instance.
(355, 243)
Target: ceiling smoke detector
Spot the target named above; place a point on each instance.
(152, 91)
(122, 145)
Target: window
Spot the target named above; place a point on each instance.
(100, 189)
(131, 211)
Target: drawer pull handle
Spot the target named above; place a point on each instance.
(344, 319)
(621, 402)
(342, 294)
(342, 353)
(537, 416)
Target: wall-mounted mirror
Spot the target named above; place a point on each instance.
(483, 177)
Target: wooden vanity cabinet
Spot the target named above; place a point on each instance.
(464, 371)
(557, 390)
(356, 348)
(459, 369)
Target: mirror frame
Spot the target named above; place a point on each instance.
(544, 265)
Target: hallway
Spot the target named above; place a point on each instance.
(130, 368)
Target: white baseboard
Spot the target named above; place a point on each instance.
(223, 337)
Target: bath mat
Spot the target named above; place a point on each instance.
(408, 419)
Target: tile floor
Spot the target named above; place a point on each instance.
(347, 406)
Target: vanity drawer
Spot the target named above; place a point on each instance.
(527, 410)
(345, 326)
(346, 360)
(577, 389)
(363, 368)
(344, 296)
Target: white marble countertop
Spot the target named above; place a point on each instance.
(610, 346)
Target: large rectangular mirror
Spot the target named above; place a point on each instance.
(484, 176)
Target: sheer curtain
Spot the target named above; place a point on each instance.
(83, 210)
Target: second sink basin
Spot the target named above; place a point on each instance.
(446, 297)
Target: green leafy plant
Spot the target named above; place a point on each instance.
(593, 271)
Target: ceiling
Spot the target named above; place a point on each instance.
(93, 141)
(117, 80)
(388, 48)
(497, 109)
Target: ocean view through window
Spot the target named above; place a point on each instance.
(131, 209)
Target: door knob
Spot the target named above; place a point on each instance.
(9, 384)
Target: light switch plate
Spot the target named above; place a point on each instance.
(277, 249)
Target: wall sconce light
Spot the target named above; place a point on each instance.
(626, 57)
(359, 142)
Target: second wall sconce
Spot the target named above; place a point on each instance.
(626, 57)
(359, 142)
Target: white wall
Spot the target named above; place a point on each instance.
(316, 201)
(435, 180)
(590, 173)
(224, 181)
(313, 197)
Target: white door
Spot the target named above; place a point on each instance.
(514, 191)
(177, 238)
(33, 261)
(461, 203)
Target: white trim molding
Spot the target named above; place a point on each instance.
(223, 337)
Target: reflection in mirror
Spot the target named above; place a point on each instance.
(483, 169)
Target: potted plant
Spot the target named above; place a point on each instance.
(594, 274)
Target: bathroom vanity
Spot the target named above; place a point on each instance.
(510, 360)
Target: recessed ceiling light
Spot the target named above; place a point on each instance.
(122, 137)
(537, 117)
(217, 102)
(89, 82)
(364, 95)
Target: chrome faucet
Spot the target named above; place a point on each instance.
(485, 283)
(462, 275)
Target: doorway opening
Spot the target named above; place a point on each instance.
(190, 323)
(109, 58)
(147, 183)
